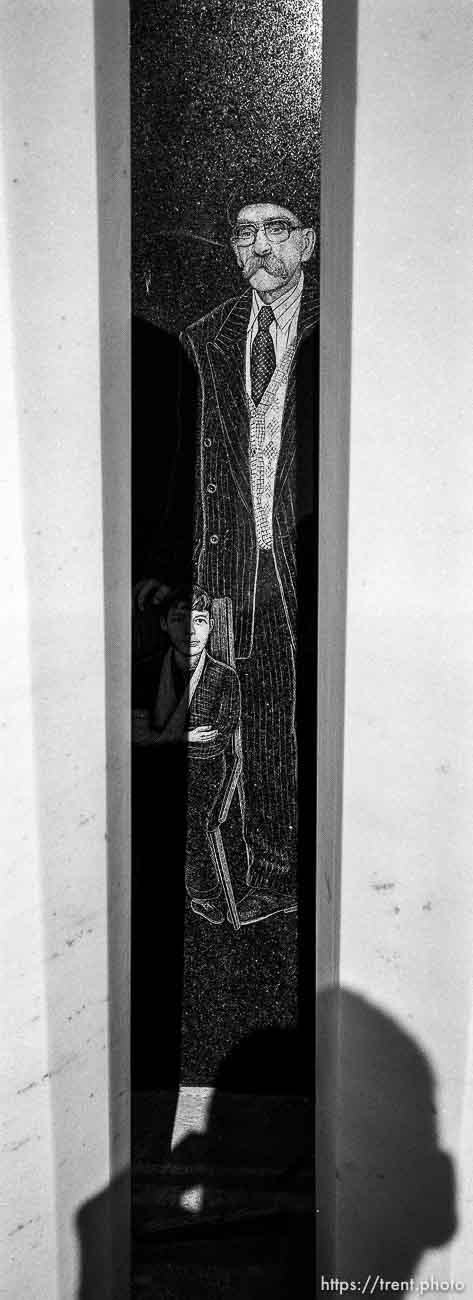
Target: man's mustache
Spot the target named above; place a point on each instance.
(270, 264)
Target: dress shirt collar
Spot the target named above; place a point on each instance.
(284, 308)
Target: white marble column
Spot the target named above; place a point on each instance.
(64, 985)
(406, 879)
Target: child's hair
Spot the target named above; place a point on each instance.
(192, 597)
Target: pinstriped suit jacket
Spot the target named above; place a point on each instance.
(225, 544)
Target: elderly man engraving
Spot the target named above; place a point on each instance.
(257, 360)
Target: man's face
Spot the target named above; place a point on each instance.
(188, 630)
(269, 266)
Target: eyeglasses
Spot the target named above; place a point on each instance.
(276, 231)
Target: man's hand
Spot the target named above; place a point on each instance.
(147, 587)
(201, 735)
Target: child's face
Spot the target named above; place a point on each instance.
(188, 630)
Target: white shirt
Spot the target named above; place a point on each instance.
(283, 329)
(266, 418)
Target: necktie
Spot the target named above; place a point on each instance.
(263, 356)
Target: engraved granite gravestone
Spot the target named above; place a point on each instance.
(225, 131)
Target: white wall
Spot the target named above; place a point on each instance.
(407, 869)
(65, 1133)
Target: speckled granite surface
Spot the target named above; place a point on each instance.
(223, 98)
(235, 983)
(221, 93)
(275, 1264)
(229, 1210)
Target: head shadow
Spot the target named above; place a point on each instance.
(395, 1186)
(254, 1223)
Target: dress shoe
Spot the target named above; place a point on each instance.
(212, 912)
(259, 904)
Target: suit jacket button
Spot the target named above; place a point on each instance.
(214, 539)
(207, 442)
(211, 487)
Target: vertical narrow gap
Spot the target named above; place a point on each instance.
(336, 237)
(108, 1223)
